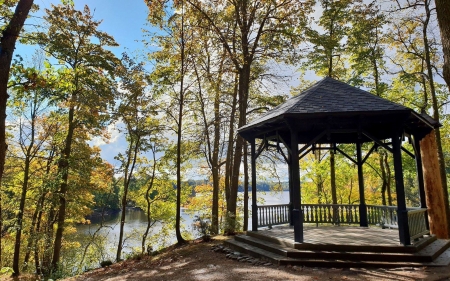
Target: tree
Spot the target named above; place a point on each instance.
(443, 16)
(413, 34)
(135, 110)
(251, 31)
(328, 58)
(88, 89)
(9, 34)
(29, 90)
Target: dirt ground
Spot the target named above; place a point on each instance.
(197, 261)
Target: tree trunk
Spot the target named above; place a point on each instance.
(147, 200)
(180, 239)
(436, 114)
(133, 150)
(19, 224)
(443, 16)
(8, 40)
(433, 187)
(244, 81)
(215, 162)
(229, 159)
(63, 170)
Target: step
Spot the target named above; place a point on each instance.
(418, 245)
(282, 260)
(426, 255)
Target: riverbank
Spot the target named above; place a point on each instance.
(198, 261)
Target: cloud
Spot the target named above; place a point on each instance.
(114, 135)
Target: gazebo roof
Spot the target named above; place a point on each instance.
(336, 106)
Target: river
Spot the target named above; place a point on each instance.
(136, 221)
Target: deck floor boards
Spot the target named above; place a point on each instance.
(338, 235)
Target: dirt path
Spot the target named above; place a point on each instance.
(197, 261)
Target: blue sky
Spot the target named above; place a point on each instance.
(124, 20)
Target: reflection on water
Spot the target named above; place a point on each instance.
(136, 222)
(134, 227)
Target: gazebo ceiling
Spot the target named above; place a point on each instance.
(340, 113)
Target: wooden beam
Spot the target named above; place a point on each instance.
(254, 202)
(305, 153)
(408, 152)
(297, 215)
(362, 199)
(346, 155)
(379, 142)
(402, 213)
(260, 148)
(314, 140)
(370, 152)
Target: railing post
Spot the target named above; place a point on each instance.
(362, 200)
(402, 213)
(254, 205)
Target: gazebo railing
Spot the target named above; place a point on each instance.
(330, 213)
(384, 216)
(417, 222)
(269, 215)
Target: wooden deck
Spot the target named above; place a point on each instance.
(339, 235)
(342, 246)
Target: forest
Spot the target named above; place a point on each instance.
(211, 67)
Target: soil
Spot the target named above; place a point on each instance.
(197, 261)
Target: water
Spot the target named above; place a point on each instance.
(136, 222)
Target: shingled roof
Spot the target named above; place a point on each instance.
(330, 96)
(333, 99)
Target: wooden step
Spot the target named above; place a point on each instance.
(282, 260)
(416, 247)
(428, 254)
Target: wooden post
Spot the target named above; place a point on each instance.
(362, 199)
(433, 187)
(420, 182)
(297, 215)
(254, 206)
(291, 195)
(402, 213)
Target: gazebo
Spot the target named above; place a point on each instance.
(329, 113)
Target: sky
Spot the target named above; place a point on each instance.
(124, 20)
